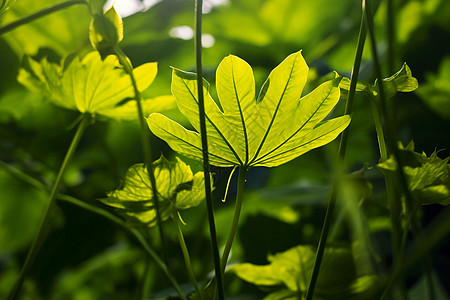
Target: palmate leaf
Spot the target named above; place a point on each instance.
(428, 177)
(90, 85)
(178, 189)
(289, 273)
(269, 131)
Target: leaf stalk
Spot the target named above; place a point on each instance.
(43, 226)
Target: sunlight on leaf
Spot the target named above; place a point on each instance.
(178, 189)
(402, 81)
(90, 85)
(290, 271)
(428, 177)
(106, 30)
(274, 129)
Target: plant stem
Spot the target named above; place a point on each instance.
(391, 36)
(187, 259)
(42, 231)
(341, 154)
(237, 213)
(41, 13)
(201, 110)
(103, 213)
(145, 137)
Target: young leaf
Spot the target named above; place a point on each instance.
(269, 131)
(178, 189)
(90, 85)
(290, 272)
(402, 81)
(428, 177)
(106, 31)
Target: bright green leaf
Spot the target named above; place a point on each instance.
(128, 111)
(290, 271)
(89, 85)
(275, 128)
(106, 30)
(428, 177)
(178, 189)
(97, 6)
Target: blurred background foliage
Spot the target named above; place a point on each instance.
(88, 257)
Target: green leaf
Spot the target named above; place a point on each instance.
(402, 81)
(178, 189)
(436, 91)
(128, 111)
(275, 128)
(90, 85)
(428, 177)
(106, 30)
(5, 5)
(290, 272)
(97, 6)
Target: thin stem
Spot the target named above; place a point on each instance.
(145, 137)
(341, 154)
(237, 213)
(201, 110)
(187, 259)
(391, 36)
(103, 213)
(41, 13)
(42, 231)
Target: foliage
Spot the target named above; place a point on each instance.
(428, 177)
(178, 189)
(252, 132)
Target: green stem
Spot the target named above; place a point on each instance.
(392, 196)
(187, 259)
(237, 213)
(201, 110)
(341, 154)
(103, 213)
(391, 36)
(40, 236)
(145, 137)
(41, 13)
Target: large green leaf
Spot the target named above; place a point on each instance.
(178, 189)
(89, 85)
(428, 177)
(275, 128)
(290, 272)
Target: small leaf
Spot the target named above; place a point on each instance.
(178, 189)
(97, 6)
(106, 31)
(402, 81)
(275, 128)
(428, 177)
(89, 85)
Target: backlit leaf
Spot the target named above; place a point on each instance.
(178, 189)
(275, 128)
(428, 177)
(90, 85)
(290, 272)
(106, 30)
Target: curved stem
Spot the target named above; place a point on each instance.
(201, 110)
(41, 13)
(103, 213)
(187, 259)
(145, 137)
(235, 222)
(42, 231)
(341, 154)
